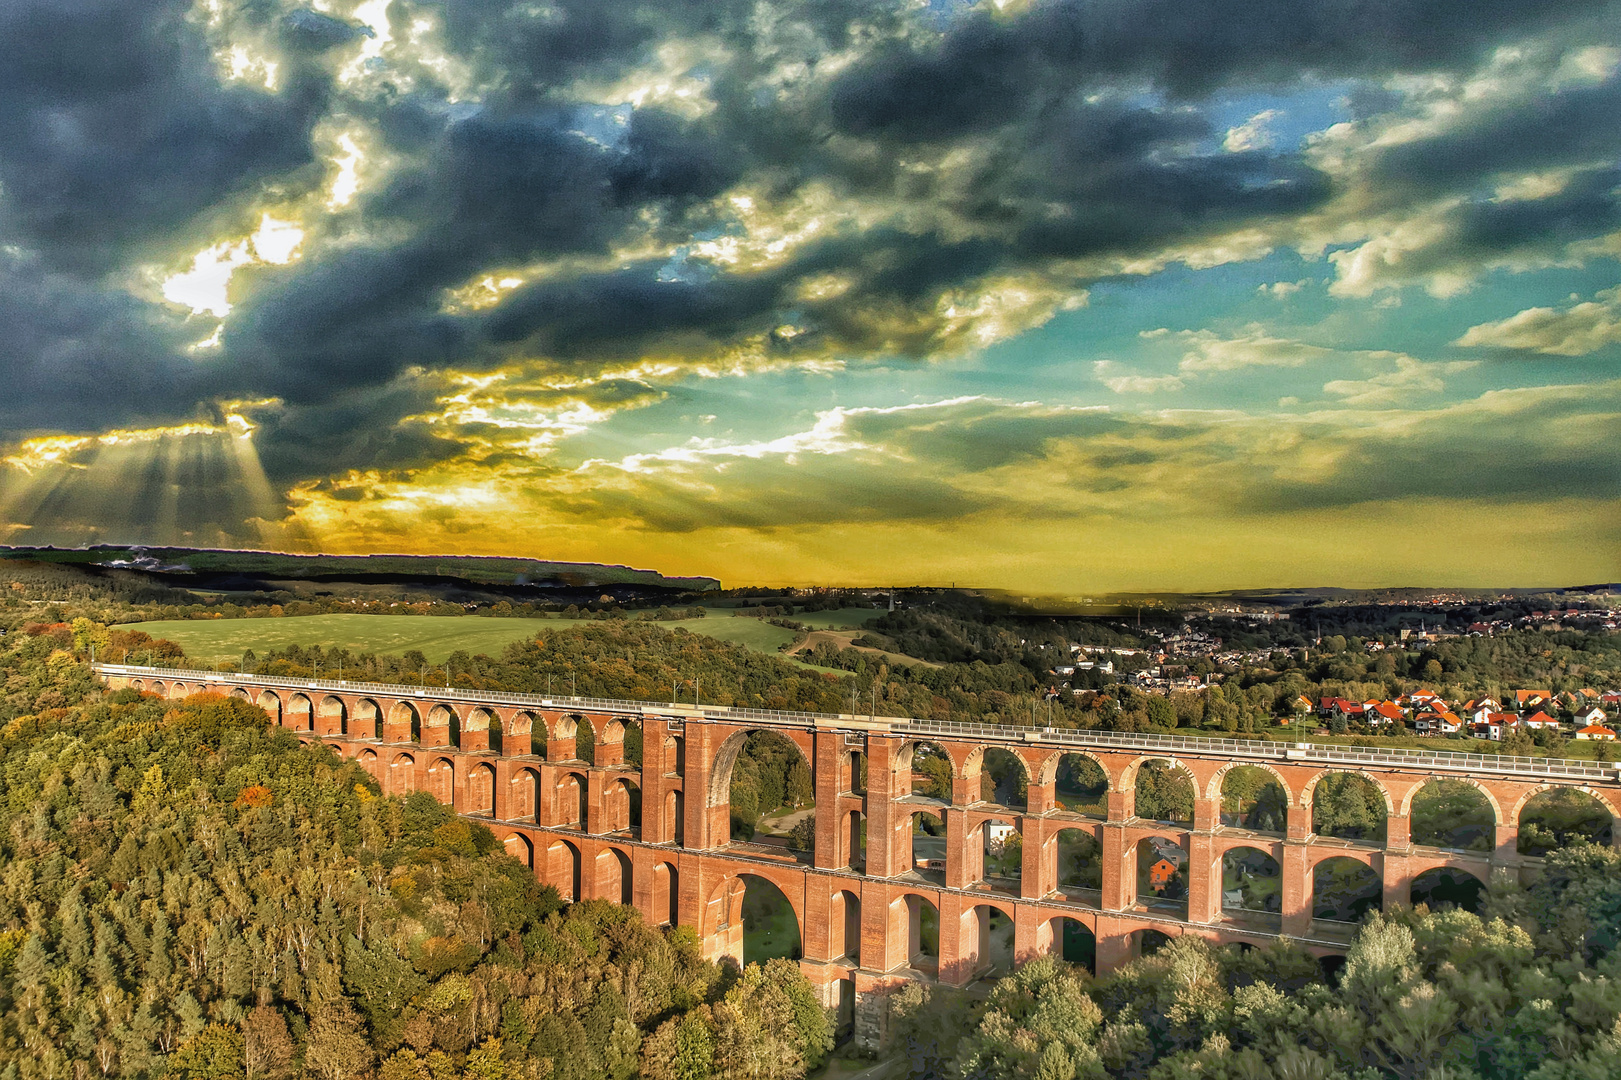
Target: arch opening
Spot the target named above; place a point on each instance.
(364, 723)
(985, 943)
(844, 926)
(622, 806)
(572, 802)
(1251, 880)
(767, 784)
(1452, 814)
(923, 768)
(923, 835)
(916, 921)
(1080, 862)
(563, 869)
(401, 775)
(520, 847)
(1000, 848)
(613, 876)
(1560, 817)
(524, 800)
(1164, 792)
(1442, 887)
(751, 920)
(1003, 779)
(1147, 942)
(1071, 941)
(852, 836)
(1162, 875)
(666, 894)
(1081, 786)
(1344, 890)
(853, 773)
(1253, 799)
(675, 812)
(675, 755)
(481, 790)
(1348, 806)
(442, 780)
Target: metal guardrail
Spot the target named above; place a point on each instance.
(1168, 745)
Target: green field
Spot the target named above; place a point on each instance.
(215, 641)
(839, 619)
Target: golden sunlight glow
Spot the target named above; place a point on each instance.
(481, 294)
(347, 182)
(277, 242)
(374, 13)
(203, 287)
(241, 65)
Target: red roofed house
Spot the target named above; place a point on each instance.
(1161, 873)
(1596, 733)
(1541, 720)
(1529, 698)
(1383, 713)
(1437, 723)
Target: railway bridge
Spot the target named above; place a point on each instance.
(872, 911)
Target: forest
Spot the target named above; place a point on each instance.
(189, 893)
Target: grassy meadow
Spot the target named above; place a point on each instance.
(215, 641)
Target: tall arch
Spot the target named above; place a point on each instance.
(331, 715)
(914, 927)
(984, 943)
(613, 876)
(563, 869)
(366, 723)
(666, 894)
(401, 775)
(442, 780)
(844, 926)
(1004, 778)
(441, 726)
(1080, 782)
(481, 790)
(922, 767)
(298, 713)
(1344, 889)
(520, 847)
(524, 799)
(271, 704)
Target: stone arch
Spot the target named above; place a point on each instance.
(299, 714)
(442, 779)
(366, 721)
(1367, 822)
(563, 869)
(1181, 776)
(1159, 869)
(1077, 860)
(480, 719)
(239, 692)
(1128, 774)
(1248, 883)
(930, 861)
(524, 799)
(985, 947)
(725, 916)
(441, 726)
(368, 761)
(622, 805)
(666, 895)
(515, 735)
(1267, 812)
(844, 925)
(1491, 799)
(675, 813)
(401, 775)
(720, 774)
(851, 840)
(178, 690)
(975, 764)
(1310, 787)
(520, 847)
(852, 771)
(989, 843)
(480, 790)
(1441, 886)
(1048, 771)
(271, 704)
(1532, 792)
(675, 755)
(1342, 894)
(1213, 788)
(403, 714)
(332, 714)
(612, 876)
(914, 925)
(1070, 938)
(903, 765)
(573, 799)
(1527, 842)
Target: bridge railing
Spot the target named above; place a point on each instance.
(1168, 745)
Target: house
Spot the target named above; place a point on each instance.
(1596, 733)
(996, 833)
(1494, 726)
(1161, 873)
(1423, 698)
(1531, 699)
(1301, 704)
(1540, 721)
(1383, 713)
(1591, 716)
(1490, 704)
(1437, 723)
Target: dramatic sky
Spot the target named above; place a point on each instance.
(1059, 297)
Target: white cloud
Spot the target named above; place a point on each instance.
(1410, 377)
(1253, 134)
(1574, 331)
(1210, 351)
(1135, 384)
(1278, 290)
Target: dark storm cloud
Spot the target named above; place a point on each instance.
(115, 131)
(1572, 126)
(77, 358)
(355, 431)
(982, 68)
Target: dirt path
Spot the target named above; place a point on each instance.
(845, 639)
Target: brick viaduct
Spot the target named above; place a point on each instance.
(510, 760)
